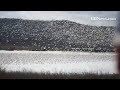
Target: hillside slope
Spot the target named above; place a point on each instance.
(59, 35)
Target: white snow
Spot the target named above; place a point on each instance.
(58, 61)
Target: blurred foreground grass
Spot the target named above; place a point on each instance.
(31, 75)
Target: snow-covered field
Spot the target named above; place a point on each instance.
(58, 61)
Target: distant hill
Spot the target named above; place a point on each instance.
(59, 35)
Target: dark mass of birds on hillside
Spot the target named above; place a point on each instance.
(58, 35)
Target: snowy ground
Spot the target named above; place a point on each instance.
(58, 61)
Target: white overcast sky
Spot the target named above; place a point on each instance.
(83, 17)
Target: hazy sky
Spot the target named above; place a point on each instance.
(83, 17)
